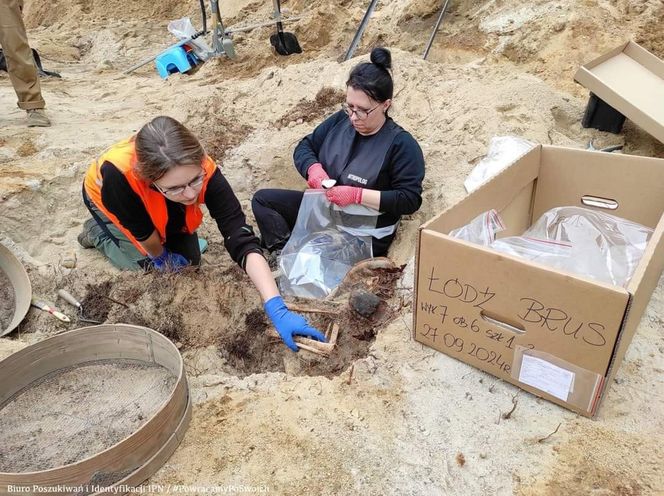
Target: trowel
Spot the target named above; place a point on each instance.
(67, 296)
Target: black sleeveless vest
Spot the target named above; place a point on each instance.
(354, 160)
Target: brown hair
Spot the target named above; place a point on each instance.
(164, 143)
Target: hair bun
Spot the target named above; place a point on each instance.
(381, 57)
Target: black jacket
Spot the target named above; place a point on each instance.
(221, 202)
(397, 171)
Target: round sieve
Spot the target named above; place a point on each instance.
(94, 407)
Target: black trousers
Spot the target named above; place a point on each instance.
(276, 212)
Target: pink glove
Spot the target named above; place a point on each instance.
(316, 175)
(344, 195)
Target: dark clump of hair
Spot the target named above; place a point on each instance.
(374, 78)
(164, 143)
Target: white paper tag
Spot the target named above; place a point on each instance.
(546, 377)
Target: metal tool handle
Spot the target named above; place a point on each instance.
(360, 30)
(152, 57)
(435, 29)
(242, 29)
(65, 295)
(277, 15)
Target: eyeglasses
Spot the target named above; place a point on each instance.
(361, 114)
(178, 190)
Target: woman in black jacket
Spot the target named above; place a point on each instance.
(374, 161)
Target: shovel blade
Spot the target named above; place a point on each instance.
(285, 43)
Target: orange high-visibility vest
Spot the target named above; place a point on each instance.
(123, 156)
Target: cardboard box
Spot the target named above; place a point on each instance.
(558, 335)
(631, 80)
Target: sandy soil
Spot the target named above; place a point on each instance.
(394, 418)
(7, 301)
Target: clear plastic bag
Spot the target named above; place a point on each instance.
(587, 242)
(603, 247)
(183, 29)
(320, 250)
(552, 253)
(503, 150)
(482, 229)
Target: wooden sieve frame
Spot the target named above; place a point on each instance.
(145, 450)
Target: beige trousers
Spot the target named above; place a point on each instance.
(20, 64)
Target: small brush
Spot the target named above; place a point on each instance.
(43, 306)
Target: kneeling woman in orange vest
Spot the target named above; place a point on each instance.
(144, 194)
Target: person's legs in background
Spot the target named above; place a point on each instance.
(276, 211)
(20, 64)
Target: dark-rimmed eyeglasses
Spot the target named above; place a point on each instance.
(178, 190)
(361, 114)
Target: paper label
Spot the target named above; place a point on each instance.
(546, 377)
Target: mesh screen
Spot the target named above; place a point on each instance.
(77, 412)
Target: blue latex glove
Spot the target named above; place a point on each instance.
(169, 261)
(289, 324)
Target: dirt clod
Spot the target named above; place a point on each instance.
(312, 110)
(216, 131)
(250, 350)
(364, 302)
(96, 305)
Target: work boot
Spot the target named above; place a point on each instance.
(84, 240)
(37, 118)
(86, 237)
